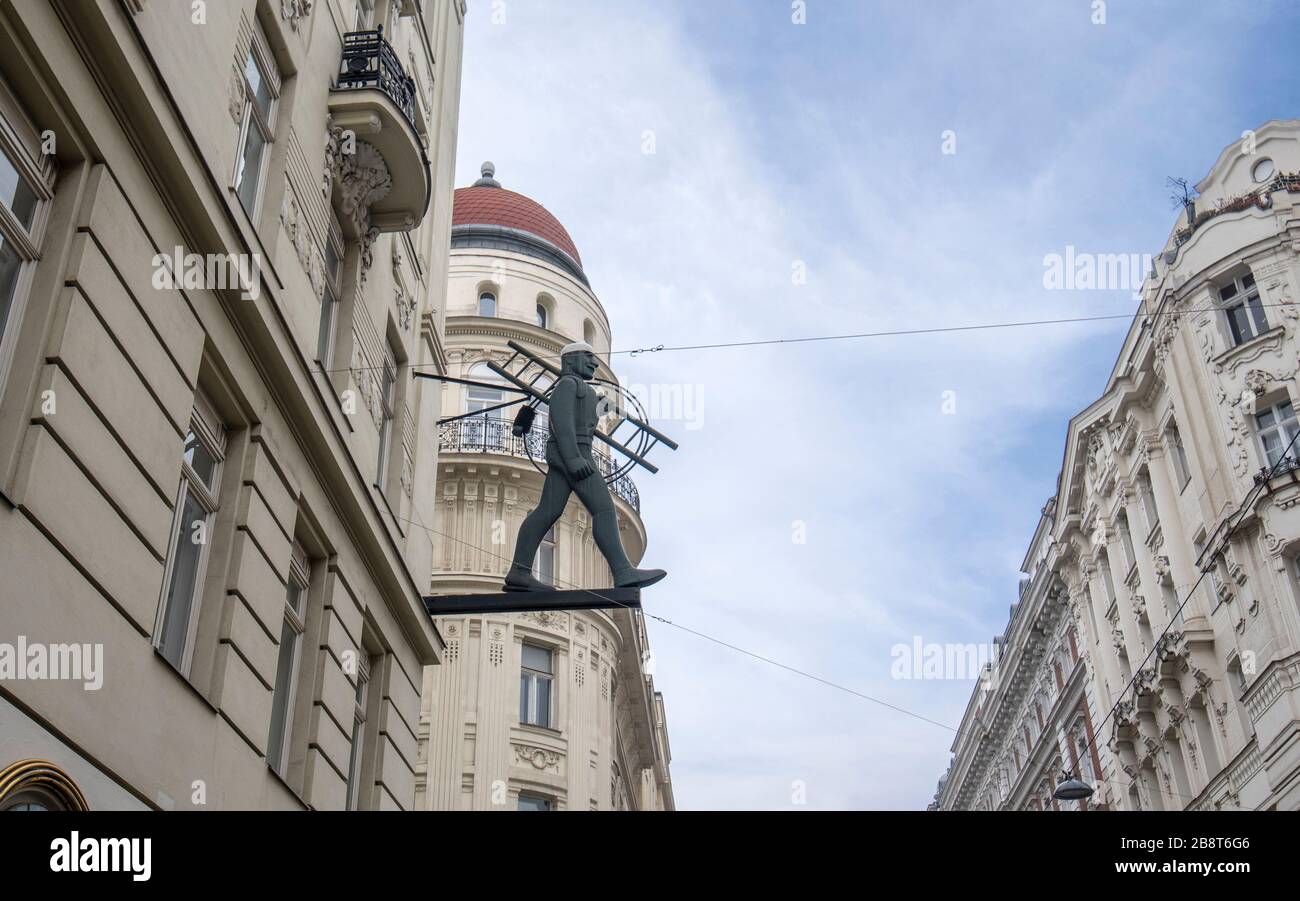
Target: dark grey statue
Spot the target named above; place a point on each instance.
(571, 469)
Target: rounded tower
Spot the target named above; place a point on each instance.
(533, 710)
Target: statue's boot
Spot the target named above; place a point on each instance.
(520, 578)
(637, 578)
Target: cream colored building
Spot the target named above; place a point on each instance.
(1172, 459)
(211, 479)
(541, 711)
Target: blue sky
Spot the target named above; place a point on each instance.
(818, 146)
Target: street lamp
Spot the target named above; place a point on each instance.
(1071, 789)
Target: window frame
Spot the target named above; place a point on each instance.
(547, 804)
(1182, 466)
(295, 620)
(546, 551)
(1285, 428)
(20, 141)
(361, 702)
(259, 53)
(1245, 297)
(327, 329)
(533, 678)
(387, 414)
(363, 18)
(204, 425)
(496, 305)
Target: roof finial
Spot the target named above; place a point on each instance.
(487, 170)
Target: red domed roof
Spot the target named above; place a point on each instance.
(488, 205)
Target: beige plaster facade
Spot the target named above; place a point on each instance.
(215, 485)
(1166, 475)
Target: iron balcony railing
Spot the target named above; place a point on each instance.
(493, 436)
(369, 61)
(1288, 465)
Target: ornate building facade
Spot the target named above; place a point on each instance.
(224, 231)
(1167, 475)
(542, 711)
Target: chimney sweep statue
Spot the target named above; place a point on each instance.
(571, 469)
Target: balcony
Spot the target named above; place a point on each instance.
(493, 436)
(376, 154)
(1288, 466)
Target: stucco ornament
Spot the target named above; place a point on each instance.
(294, 11)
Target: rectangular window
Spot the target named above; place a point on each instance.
(534, 802)
(257, 132)
(535, 686)
(286, 670)
(365, 17)
(1242, 306)
(1179, 454)
(1210, 584)
(330, 298)
(1130, 556)
(361, 698)
(1147, 495)
(387, 405)
(196, 506)
(544, 565)
(26, 183)
(1277, 429)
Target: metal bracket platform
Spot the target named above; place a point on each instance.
(532, 601)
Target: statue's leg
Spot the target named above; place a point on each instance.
(555, 494)
(595, 495)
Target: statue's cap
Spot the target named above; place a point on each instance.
(575, 348)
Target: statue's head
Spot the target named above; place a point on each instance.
(579, 359)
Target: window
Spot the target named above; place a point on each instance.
(480, 398)
(589, 332)
(286, 670)
(534, 802)
(387, 407)
(1211, 581)
(1277, 429)
(1147, 495)
(489, 429)
(362, 698)
(365, 19)
(330, 299)
(1121, 522)
(25, 184)
(544, 565)
(1242, 306)
(196, 506)
(1179, 454)
(487, 304)
(261, 89)
(541, 315)
(535, 686)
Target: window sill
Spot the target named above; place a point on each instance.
(542, 730)
(1249, 350)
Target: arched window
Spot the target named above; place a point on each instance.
(489, 430)
(479, 398)
(487, 304)
(39, 785)
(589, 332)
(541, 315)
